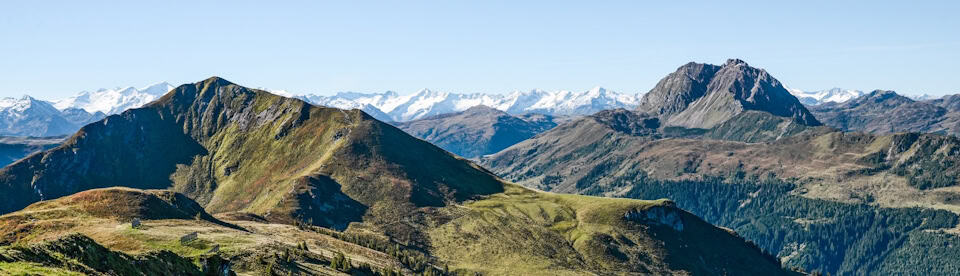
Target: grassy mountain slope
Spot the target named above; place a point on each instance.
(476, 131)
(519, 231)
(237, 149)
(79, 255)
(101, 218)
(120, 204)
(526, 232)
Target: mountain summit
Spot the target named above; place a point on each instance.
(703, 95)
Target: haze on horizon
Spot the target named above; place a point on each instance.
(54, 51)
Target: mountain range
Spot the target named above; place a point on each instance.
(884, 112)
(240, 176)
(734, 147)
(390, 106)
(113, 101)
(28, 116)
(833, 95)
(387, 106)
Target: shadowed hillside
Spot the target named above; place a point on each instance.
(15, 148)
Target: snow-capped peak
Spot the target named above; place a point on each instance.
(158, 89)
(18, 103)
(113, 101)
(18, 106)
(837, 95)
(596, 91)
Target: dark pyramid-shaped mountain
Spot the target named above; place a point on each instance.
(477, 131)
(231, 148)
(703, 96)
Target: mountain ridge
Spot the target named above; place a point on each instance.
(886, 112)
(477, 131)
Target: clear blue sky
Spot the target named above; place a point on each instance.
(54, 49)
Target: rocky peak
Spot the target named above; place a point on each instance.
(703, 95)
(736, 62)
(678, 89)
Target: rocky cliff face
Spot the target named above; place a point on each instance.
(668, 216)
(703, 96)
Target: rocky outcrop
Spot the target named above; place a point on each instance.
(627, 121)
(659, 215)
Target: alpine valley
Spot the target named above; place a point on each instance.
(214, 178)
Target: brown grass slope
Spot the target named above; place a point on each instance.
(519, 231)
(79, 255)
(117, 204)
